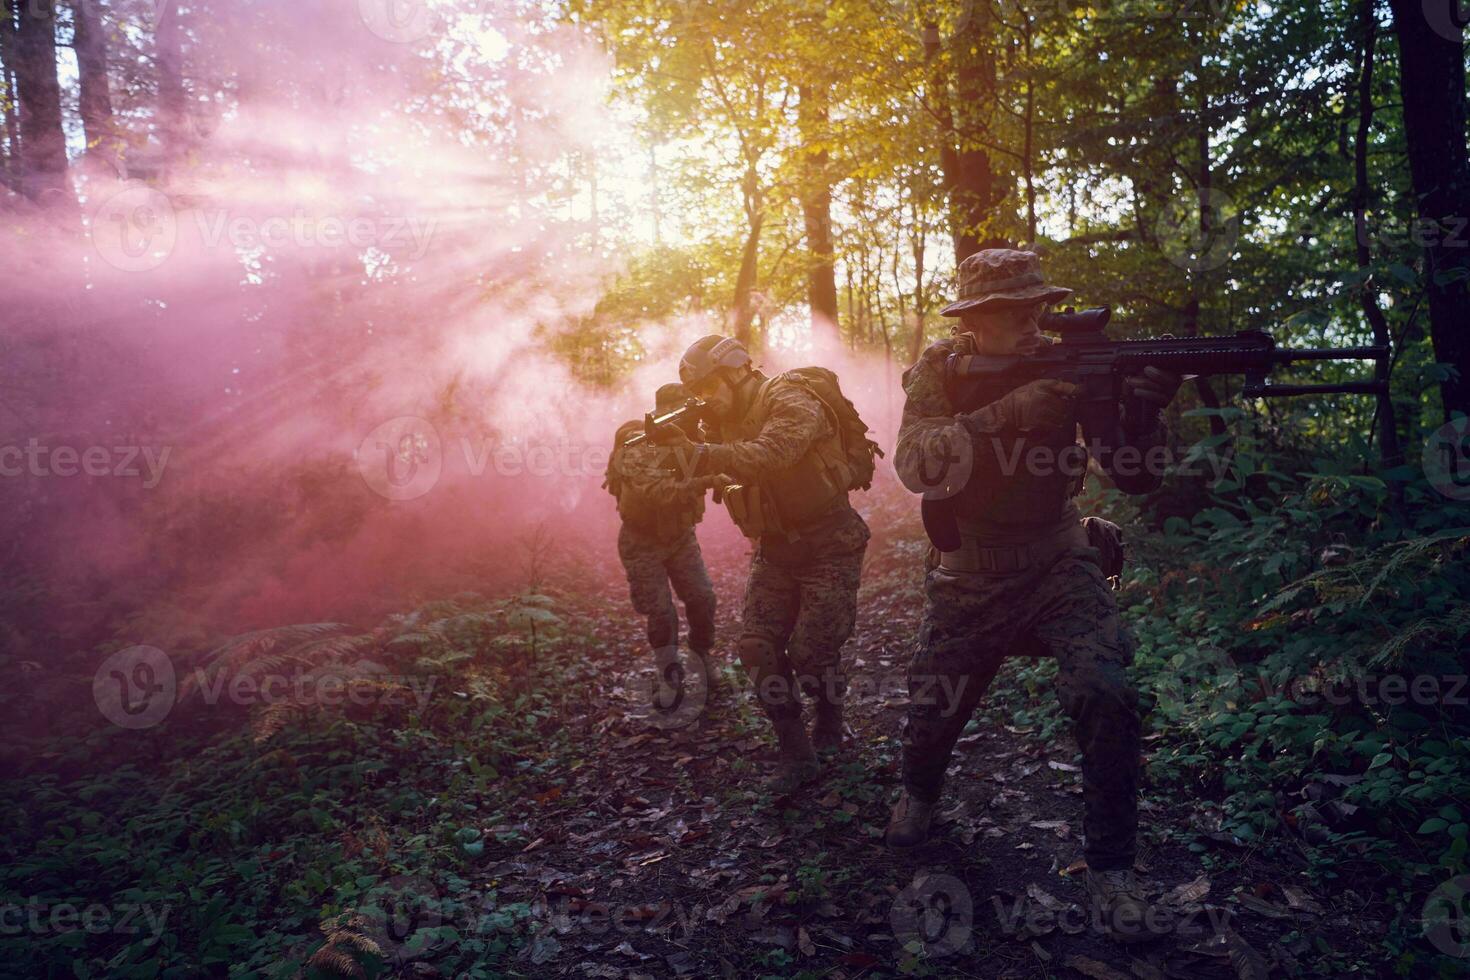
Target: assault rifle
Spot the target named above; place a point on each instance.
(1097, 365)
(1087, 358)
(692, 409)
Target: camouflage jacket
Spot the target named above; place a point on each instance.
(652, 498)
(782, 448)
(1002, 480)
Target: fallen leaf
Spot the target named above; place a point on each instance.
(1298, 899)
(1044, 898)
(1261, 906)
(1096, 969)
(1188, 894)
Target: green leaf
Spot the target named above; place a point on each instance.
(1432, 825)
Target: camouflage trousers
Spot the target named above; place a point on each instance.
(800, 607)
(972, 621)
(652, 566)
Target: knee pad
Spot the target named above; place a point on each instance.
(757, 653)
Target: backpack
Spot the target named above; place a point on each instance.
(859, 453)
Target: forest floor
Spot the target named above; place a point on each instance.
(661, 854)
(531, 821)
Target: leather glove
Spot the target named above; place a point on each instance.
(1041, 405)
(1107, 538)
(1155, 386)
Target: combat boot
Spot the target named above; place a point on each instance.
(668, 684)
(1118, 900)
(798, 764)
(827, 732)
(909, 824)
(714, 680)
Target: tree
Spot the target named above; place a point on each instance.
(43, 175)
(1432, 73)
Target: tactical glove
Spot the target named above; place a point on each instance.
(1155, 385)
(1042, 405)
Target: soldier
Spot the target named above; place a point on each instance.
(795, 447)
(658, 547)
(1025, 574)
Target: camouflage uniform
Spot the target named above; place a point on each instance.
(1025, 581)
(801, 598)
(660, 548)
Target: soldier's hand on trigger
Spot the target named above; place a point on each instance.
(1045, 404)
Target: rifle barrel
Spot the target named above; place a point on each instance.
(1331, 353)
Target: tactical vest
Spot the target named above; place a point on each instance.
(635, 508)
(1005, 488)
(783, 503)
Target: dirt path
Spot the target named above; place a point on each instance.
(664, 856)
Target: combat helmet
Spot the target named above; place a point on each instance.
(669, 397)
(709, 354)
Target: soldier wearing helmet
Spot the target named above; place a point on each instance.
(781, 442)
(658, 548)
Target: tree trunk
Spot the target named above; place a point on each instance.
(95, 90)
(1388, 447)
(12, 122)
(918, 244)
(1432, 82)
(172, 125)
(43, 166)
(816, 212)
(975, 197)
(745, 280)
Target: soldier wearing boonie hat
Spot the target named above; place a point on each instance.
(1021, 571)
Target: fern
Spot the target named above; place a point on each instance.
(344, 940)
